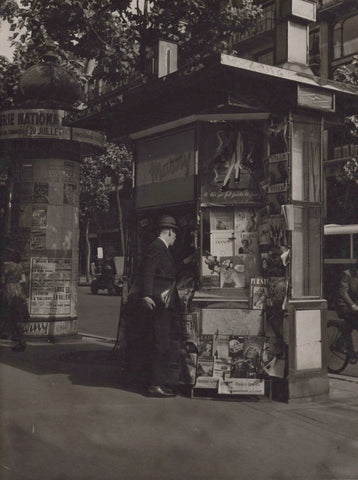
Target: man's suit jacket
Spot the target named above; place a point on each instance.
(158, 269)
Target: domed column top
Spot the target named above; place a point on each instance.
(49, 85)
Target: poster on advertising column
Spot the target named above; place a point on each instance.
(50, 293)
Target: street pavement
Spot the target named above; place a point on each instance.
(98, 314)
(64, 416)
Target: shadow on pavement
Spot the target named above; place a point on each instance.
(86, 364)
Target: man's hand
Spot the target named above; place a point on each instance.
(189, 259)
(149, 303)
(354, 307)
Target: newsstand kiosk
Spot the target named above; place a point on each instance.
(234, 149)
(234, 152)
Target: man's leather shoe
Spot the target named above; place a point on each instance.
(158, 391)
(168, 389)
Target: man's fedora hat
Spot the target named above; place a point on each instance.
(167, 221)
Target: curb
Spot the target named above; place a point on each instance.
(98, 337)
(344, 378)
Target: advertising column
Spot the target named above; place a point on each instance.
(44, 212)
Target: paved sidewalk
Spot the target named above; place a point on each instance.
(65, 417)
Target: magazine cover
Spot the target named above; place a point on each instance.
(264, 263)
(222, 367)
(221, 349)
(236, 354)
(248, 366)
(258, 293)
(275, 267)
(278, 168)
(245, 220)
(252, 267)
(276, 291)
(264, 185)
(222, 243)
(236, 346)
(247, 243)
(211, 271)
(276, 197)
(276, 230)
(206, 345)
(205, 367)
(232, 272)
(221, 219)
(264, 232)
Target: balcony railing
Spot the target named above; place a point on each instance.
(264, 24)
(327, 3)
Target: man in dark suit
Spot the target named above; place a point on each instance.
(151, 307)
(159, 296)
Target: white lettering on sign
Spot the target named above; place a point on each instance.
(164, 169)
(31, 117)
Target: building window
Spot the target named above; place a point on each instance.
(314, 43)
(350, 36)
(345, 37)
(306, 252)
(306, 196)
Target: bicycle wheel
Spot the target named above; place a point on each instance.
(338, 356)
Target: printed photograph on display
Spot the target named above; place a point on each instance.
(258, 293)
(276, 291)
(278, 169)
(247, 364)
(264, 232)
(221, 219)
(246, 220)
(247, 242)
(211, 271)
(221, 346)
(222, 243)
(206, 345)
(39, 217)
(234, 154)
(232, 272)
(222, 366)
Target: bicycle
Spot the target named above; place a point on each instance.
(340, 346)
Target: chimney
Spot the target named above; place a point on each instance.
(292, 33)
(161, 58)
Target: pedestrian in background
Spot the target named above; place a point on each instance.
(13, 306)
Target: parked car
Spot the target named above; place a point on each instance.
(106, 278)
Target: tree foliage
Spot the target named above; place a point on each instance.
(116, 163)
(349, 74)
(201, 27)
(116, 32)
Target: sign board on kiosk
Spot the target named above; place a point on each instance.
(165, 169)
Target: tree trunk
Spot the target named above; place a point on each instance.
(8, 208)
(120, 219)
(88, 252)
